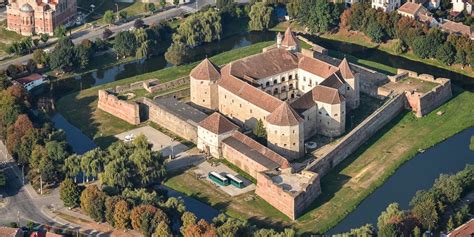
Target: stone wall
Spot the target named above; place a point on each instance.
(240, 160)
(360, 134)
(152, 85)
(290, 203)
(424, 103)
(181, 127)
(128, 111)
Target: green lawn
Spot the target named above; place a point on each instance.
(79, 108)
(6, 37)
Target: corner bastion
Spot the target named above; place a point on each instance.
(110, 103)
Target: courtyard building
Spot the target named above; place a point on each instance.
(386, 5)
(30, 17)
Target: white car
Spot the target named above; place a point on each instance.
(129, 137)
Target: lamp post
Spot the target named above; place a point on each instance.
(116, 5)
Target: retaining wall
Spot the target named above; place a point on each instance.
(128, 111)
(360, 134)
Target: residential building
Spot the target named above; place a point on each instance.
(386, 5)
(32, 81)
(457, 28)
(30, 17)
(10, 232)
(417, 11)
(465, 230)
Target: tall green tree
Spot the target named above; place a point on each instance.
(261, 16)
(375, 32)
(178, 53)
(423, 207)
(63, 57)
(109, 17)
(70, 193)
(125, 44)
(445, 54)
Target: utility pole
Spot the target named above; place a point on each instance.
(18, 218)
(117, 11)
(41, 184)
(22, 174)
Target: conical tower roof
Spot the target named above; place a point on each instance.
(206, 70)
(284, 115)
(290, 39)
(345, 69)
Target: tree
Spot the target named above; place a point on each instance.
(366, 231)
(450, 226)
(389, 230)
(163, 230)
(228, 226)
(188, 219)
(10, 111)
(261, 16)
(319, 15)
(83, 55)
(123, 15)
(122, 215)
(139, 23)
(107, 33)
(109, 17)
(145, 219)
(63, 56)
(40, 57)
(416, 232)
(445, 54)
(93, 203)
(421, 47)
(259, 131)
(110, 204)
(151, 7)
(424, 209)
(22, 126)
(70, 193)
(44, 37)
(162, 3)
(400, 47)
(120, 174)
(141, 196)
(125, 44)
(177, 54)
(199, 28)
(392, 212)
(375, 32)
(60, 31)
(200, 229)
(72, 165)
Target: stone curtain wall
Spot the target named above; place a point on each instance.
(151, 85)
(177, 125)
(241, 160)
(423, 104)
(292, 203)
(128, 111)
(360, 134)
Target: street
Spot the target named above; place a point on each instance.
(92, 34)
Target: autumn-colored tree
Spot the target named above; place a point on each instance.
(15, 132)
(188, 219)
(122, 215)
(163, 230)
(9, 111)
(344, 23)
(200, 229)
(145, 219)
(93, 203)
(110, 203)
(21, 95)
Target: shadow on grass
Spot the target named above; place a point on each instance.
(355, 51)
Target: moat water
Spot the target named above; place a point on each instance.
(447, 157)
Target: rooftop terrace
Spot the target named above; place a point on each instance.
(293, 183)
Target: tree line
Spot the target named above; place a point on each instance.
(425, 42)
(31, 138)
(428, 209)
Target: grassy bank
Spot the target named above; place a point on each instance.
(6, 37)
(80, 108)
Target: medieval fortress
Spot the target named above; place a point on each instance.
(296, 94)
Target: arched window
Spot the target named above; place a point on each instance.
(275, 91)
(275, 81)
(267, 84)
(283, 88)
(290, 86)
(283, 79)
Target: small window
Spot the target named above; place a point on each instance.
(250, 110)
(335, 115)
(348, 88)
(275, 82)
(225, 96)
(202, 82)
(319, 112)
(284, 145)
(304, 78)
(327, 114)
(283, 79)
(240, 105)
(294, 144)
(290, 77)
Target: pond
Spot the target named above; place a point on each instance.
(78, 141)
(447, 157)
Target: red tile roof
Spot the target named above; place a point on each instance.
(247, 92)
(316, 66)
(458, 28)
(334, 81)
(327, 95)
(466, 230)
(345, 69)
(206, 70)
(410, 8)
(28, 79)
(289, 40)
(218, 124)
(10, 232)
(284, 115)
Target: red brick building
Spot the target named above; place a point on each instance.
(29, 17)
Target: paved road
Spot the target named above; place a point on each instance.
(92, 34)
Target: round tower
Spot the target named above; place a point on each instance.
(27, 19)
(279, 39)
(285, 132)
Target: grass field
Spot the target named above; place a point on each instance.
(6, 37)
(80, 108)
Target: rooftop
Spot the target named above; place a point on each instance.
(30, 78)
(292, 182)
(466, 229)
(284, 115)
(181, 109)
(206, 70)
(256, 151)
(218, 124)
